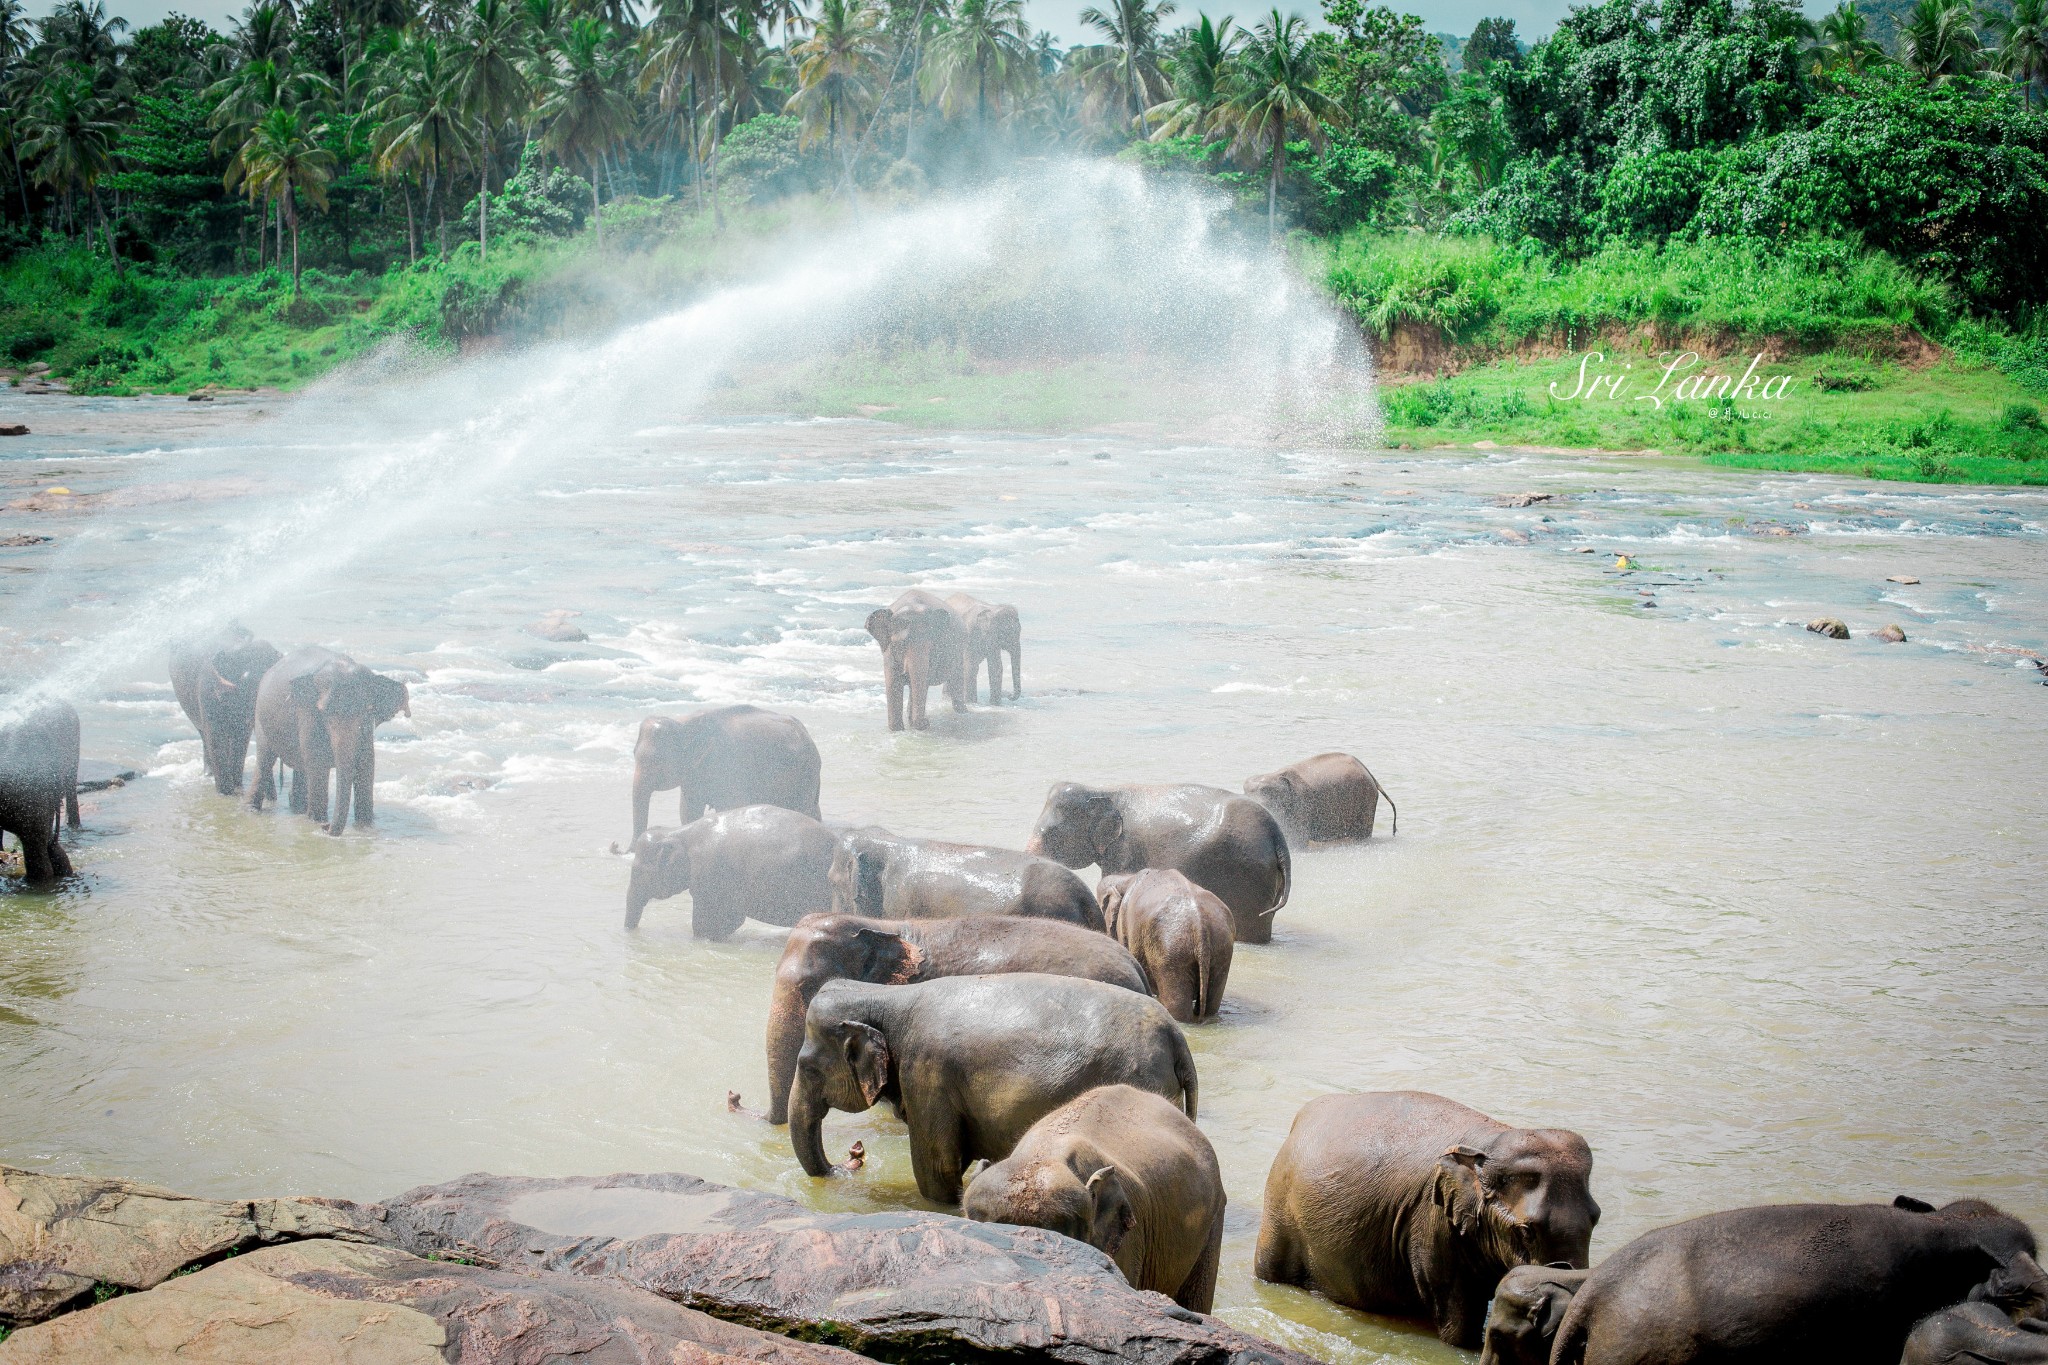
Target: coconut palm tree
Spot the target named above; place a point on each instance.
(491, 88)
(68, 137)
(283, 160)
(422, 127)
(688, 58)
(586, 111)
(982, 54)
(1938, 40)
(835, 74)
(1274, 101)
(1843, 45)
(1132, 28)
(16, 38)
(2022, 44)
(1201, 80)
(83, 35)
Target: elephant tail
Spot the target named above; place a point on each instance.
(1286, 871)
(1383, 795)
(1184, 1071)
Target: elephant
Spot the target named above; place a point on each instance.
(1414, 1206)
(1325, 799)
(887, 876)
(923, 642)
(756, 862)
(991, 632)
(1785, 1283)
(1976, 1334)
(39, 782)
(318, 710)
(216, 681)
(1227, 843)
(723, 757)
(971, 1062)
(1180, 932)
(850, 948)
(1126, 1172)
(1527, 1308)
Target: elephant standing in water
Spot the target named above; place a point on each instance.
(991, 632)
(1324, 799)
(759, 862)
(723, 757)
(898, 952)
(1227, 843)
(1126, 1172)
(971, 1062)
(318, 711)
(886, 876)
(1180, 932)
(38, 782)
(216, 681)
(1411, 1205)
(1527, 1308)
(923, 642)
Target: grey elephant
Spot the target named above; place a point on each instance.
(1785, 1283)
(1325, 799)
(992, 630)
(887, 876)
(1228, 843)
(216, 680)
(38, 782)
(1179, 931)
(1528, 1306)
(971, 1062)
(1126, 1172)
(898, 951)
(317, 713)
(723, 757)
(1977, 1334)
(1411, 1205)
(754, 862)
(923, 642)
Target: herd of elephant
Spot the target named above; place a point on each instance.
(1028, 1032)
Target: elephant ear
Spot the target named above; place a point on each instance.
(867, 880)
(1113, 1217)
(1109, 893)
(1105, 825)
(310, 689)
(1912, 1205)
(867, 1056)
(879, 621)
(886, 957)
(1459, 1191)
(392, 697)
(222, 667)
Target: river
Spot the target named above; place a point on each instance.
(1757, 912)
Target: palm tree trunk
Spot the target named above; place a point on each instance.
(412, 231)
(106, 227)
(20, 182)
(596, 212)
(292, 217)
(483, 203)
(717, 212)
(1273, 187)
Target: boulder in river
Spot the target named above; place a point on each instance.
(1893, 634)
(1902, 578)
(1523, 499)
(559, 627)
(13, 429)
(907, 1286)
(1828, 626)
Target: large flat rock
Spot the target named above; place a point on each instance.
(332, 1303)
(63, 1236)
(910, 1287)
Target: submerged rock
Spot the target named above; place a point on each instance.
(13, 429)
(558, 626)
(1902, 578)
(1893, 634)
(1523, 499)
(1828, 626)
(893, 1286)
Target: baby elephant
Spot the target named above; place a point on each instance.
(1977, 1334)
(898, 951)
(1126, 1172)
(766, 862)
(1411, 1205)
(1526, 1311)
(991, 632)
(1180, 932)
(1324, 799)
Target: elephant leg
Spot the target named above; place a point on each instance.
(298, 797)
(937, 1153)
(1016, 671)
(318, 780)
(1197, 1293)
(265, 789)
(71, 805)
(893, 681)
(920, 685)
(60, 861)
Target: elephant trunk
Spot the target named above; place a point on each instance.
(785, 1040)
(807, 1126)
(639, 891)
(643, 796)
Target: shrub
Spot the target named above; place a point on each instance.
(764, 159)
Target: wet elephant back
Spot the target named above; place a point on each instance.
(774, 863)
(1011, 943)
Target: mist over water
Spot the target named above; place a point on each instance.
(1753, 910)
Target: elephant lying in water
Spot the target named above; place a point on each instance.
(724, 757)
(887, 876)
(1324, 799)
(1412, 1205)
(1786, 1283)
(989, 633)
(897, 952)
(39, 783)
(1224, 842)
(216, 681)
(1180, 932)
(317, 712)
(1126, 1172)
(971, 1062)
(759, 862)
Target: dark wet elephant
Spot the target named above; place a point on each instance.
(216, 681)
(724, 757)
(38, 782)
(1126, 1172)
(1786, 1283)
(971, 1062)
(1528, 1306)
(898, 951)
(1412, 1205)
(992, 630)
(886, 876)
(317, 712)
(1977, 1334)
(923, 642)
(754, 862)
(1180, 932)
(1227, 843)
(1325, 799)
